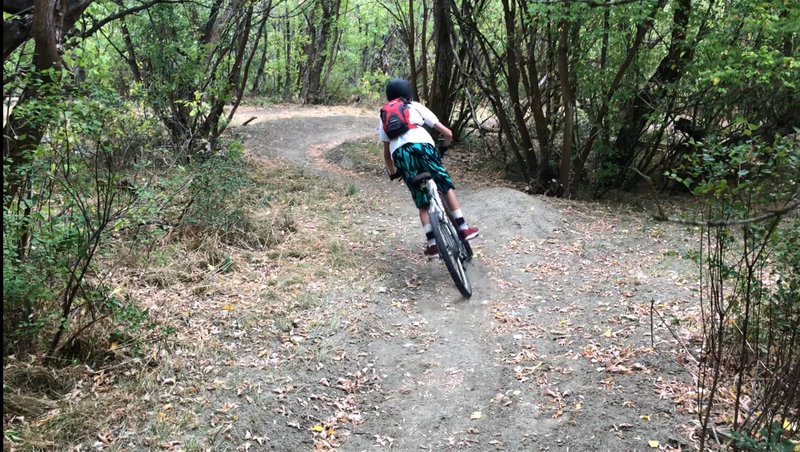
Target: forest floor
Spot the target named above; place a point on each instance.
(340, 335)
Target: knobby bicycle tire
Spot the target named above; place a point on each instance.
(447, 241)
(467, 250)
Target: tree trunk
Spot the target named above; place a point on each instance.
(412, 57)
(569, 117)
(423, 58)
(22, 134)
(530, 161)
(287, 39)
(241, 82)
(262, 64)
(534, 94)
(19, 29)
(597, 124)
(334, 47)
(325, 11)
(641, 105)
(441, 100)
(129, 47)
(210, 128)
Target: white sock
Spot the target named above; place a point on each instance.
(462, 224)
(429, 234)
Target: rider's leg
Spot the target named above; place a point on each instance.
(468, 232)
(430, 247)
(450, 196)
(424, 217)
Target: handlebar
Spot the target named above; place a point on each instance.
(441, 147)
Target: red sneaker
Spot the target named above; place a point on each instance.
(431, 251)
(469, 233)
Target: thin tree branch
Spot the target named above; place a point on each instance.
(591, 3)
(660, 216)
(98, 25)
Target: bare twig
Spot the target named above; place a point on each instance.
(722, 223)
(664, 322)
(661, 216)
(652, 336)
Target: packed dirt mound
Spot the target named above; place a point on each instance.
(504, 213)
(359, 164)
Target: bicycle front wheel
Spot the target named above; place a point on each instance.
(448, 242)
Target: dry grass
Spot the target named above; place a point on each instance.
(205, 290)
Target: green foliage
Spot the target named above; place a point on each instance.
(769, 439)
(80, 182)
(11, 435)
(607, 171)
(133, 326)
(216, 193)
(782, 303)
(175, 74)
(728, 176)
(754, 326)
(744, 80)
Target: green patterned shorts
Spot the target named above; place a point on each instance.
(416, 158)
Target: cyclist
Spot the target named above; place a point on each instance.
(413, 153)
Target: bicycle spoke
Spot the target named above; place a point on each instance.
(450, 249)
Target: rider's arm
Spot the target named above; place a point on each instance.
(446, 133)
(387, 157)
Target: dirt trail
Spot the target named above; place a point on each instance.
(551, 353)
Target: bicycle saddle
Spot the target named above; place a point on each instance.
(420, 178)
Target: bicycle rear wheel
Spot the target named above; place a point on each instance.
(454, 258)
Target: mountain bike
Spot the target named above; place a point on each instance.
(453, 250)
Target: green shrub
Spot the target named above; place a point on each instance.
(750, 284)
(87, 179)
(216, 190)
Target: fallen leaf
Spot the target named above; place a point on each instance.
(653, 444)
(293, 424)
(228, 307)
(644, 417)
(550, 393)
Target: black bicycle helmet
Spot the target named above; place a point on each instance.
(398, 87)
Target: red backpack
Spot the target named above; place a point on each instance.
(395, 118)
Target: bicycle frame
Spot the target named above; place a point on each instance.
(437, 202)
(446, 206)
(454, 250)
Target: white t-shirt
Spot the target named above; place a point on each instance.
(419, 115)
